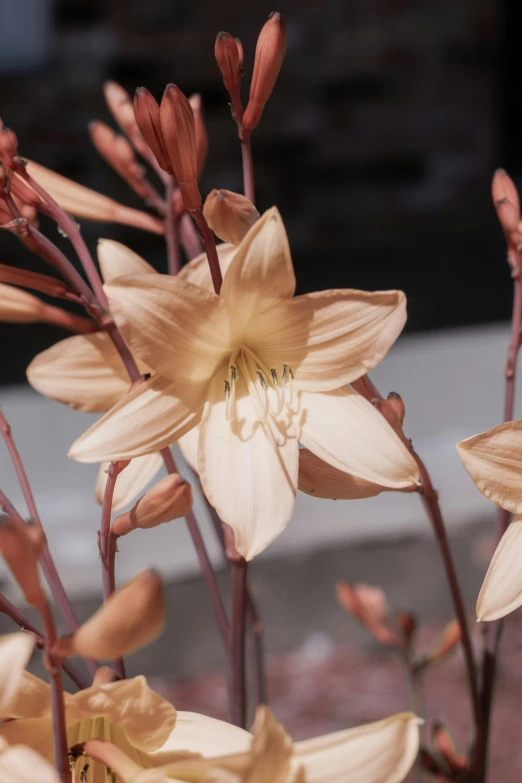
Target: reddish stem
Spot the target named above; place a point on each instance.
(171, 230)
(34, 280)
(237, 690)
(70, 321)
(209, 244)
(9, 609)
(248, 166)
(189, 237)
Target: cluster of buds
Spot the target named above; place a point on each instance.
(270, 52)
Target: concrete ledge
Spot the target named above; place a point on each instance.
(452, 384)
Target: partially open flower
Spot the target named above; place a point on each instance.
(170, 498)
(212, 750)
(132, 617)
(229, 215)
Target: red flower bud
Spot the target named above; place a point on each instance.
(147, 113)
(270, 52)
(8, 145)
(120, 106)
(201, 132)
(229, 59)
(506, 201)
(179, 134)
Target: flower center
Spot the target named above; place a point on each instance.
(271, 392)
(83, 768)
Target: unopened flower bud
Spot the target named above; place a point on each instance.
(229, 59)
(179, 134)
(369, 605)
(103, 137)
(120, 105)
(22, 191)
(147, 114)
(8, 144)
(19, 307)
(170, 498)
(240, 54)
(270, 52)
(447, 642)
(131, 618)
(201, 132)
(229, 215)
(20, 547)
(506, 201)
(395, 402)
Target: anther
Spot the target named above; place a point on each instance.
(83, 774)
(261, 378)
(227, 389)
(233, 373)
(274, 377)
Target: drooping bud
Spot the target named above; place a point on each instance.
(103, 137)
(396, 403)
(229, 58)
(147, 114)
(8, 145)
(270, 52)
(369, 605)
(119, 154)
(120, 105)
(20, 547)
(19, 307)
(201, 132)
(506, 201)
(229, 215)
(179, 133)
(445, 744)
(447, 642)
(170, 498)
(131, 618)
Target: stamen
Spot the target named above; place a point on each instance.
(233, 373)
(261, 378)
(227, 389)
(83, 774)
(274, 377)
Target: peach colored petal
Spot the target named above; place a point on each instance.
(148, 419)
(36, 733)
(197, 271)
(321, 480)
(328, 338)
(493, 459)
(31, 700)
(347, 432)
(188, 445)
(19, 764)
(381, 752)
(131, 481)
(501, 591)
(247, 468)
(84, 372)
(195, 733)
(15, 653)
(262, 267)
(117, 260)
(178, 329)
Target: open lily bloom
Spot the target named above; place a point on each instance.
(260, 371)
(87, 373)
(127, 712)
(381, 752)
(493, 459)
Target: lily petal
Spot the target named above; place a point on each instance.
(345, 430)
(238, 460)
(195, 733)
(321, 480)
(144, 716)
(381, 752)
(493, 459)
(188, 445)
(84, 372)
(261, 268)
(131, 481)
(501, 591)
(15, 652)
(328, 338)
(36, 733)
(197, 271)
(178, 329)
(22, 765)
(32, 699)
(117, 260)
(150, 417)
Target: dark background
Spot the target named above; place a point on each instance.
(378, 143)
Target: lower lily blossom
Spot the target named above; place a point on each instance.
(208, 749)
(259, 371)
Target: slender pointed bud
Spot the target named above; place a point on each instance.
(270, 52)
(229, 58)
(147, 114)
(201, 132)
(170, 498)
(103, 137)
(504, 189)
(8, 144)
(120, 106)
(20, 546)
(447, 642)
(397, 405)
(19, 307)
(369, 605)
(179, 132)
(445, 744)
(34, 280)
(507, 204)
(240, 54)
(229, 215)
(131, 618)
(4, 181)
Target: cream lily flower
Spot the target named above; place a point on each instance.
(493, 459)
(86, 372)
(381, 752)
(260, 370)
(127, 712)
